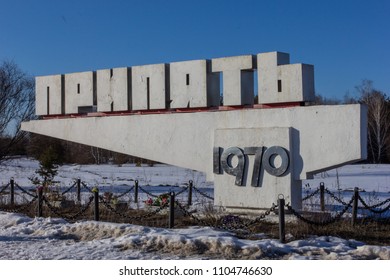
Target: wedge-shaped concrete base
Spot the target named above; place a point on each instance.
(321, 137)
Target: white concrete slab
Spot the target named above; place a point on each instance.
(322, 136)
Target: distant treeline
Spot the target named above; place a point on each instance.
(378, 105)
(61, 151)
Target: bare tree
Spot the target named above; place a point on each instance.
(97, 154)
(16, 105)
(378, 120)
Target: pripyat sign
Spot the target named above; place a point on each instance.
(187, 84)
(170, 113)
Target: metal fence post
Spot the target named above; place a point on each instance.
(12, 184)
(172, 210)
(40, 201)
(282, 232)
(190, 185)
(96, 207)
(322, 196)
(78, 189)
(355, 205)
(136, 191)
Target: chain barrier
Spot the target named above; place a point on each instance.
(85, 186)
(182, 191)
(202, 193)
(188, 214)
(25, 191)
(5, 187)
(21, 208)
(263, 215)
(366, 206)
(147, 192)
(231, 223)
(69, 189)
(234, 223)
(372, 208)
(154, 195)
(377, 205)
(332, 195)
(322, 223)
(311, 195)
(131, 218)
(54, 210)
(123, 194)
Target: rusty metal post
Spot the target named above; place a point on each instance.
(40, 202)
(322, 196)
(190, 186)
(78, 186)
(282, 226)
(172, 210)
(136, 191)
(355, 205)
(12, 191)
(96, 206)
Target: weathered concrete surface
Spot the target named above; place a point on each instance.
(113, 89)
(230, 195)
(79, 91)
(322, 137)
(149, 87)
(238, 81)
(192, 84)
(183, 84)
(281, 82)
(48, 97)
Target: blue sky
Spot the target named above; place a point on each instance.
(346, 41)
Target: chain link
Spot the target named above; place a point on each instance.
(131, 218)
(311, 195)
(182, 191)
(21, 208)
(69, 189)
(332, 195)
(233, 224)
(366, 206)
(376, 205)
(372, 208)
(85, 186)
(263, 215)
(322, 223)
(188, 214)
(236, 226)
(5, 187)
(202, 193)
(154, 195)
(54, 210)
(25, 191)
(147, 192)
(123, 194)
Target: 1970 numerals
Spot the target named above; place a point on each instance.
(264, 158)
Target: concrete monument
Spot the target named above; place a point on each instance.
(171, 113)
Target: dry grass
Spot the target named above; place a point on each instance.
(369, 231)
(365, 230)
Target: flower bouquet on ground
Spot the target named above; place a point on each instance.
(161, 200)
(160, 205)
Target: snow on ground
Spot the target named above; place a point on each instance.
(46, 238)
(22, 237)
(21, 169)
(367, 177)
